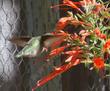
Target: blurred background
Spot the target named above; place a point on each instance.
(33, 18)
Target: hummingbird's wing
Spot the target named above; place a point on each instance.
(52, 41)
(31, 49)
(20, 41)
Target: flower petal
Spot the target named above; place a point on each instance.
(107, 44)
(55, 73)
(62, 23)
(72, 4)
(98, 62)
(56, 51)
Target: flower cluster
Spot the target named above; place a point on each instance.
(90, 44)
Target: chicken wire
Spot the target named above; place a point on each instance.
(17, 18)
(32, 18)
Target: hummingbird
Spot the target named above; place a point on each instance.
(33, 46)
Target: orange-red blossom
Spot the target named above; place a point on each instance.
(56, 52)
(73, 60)
(99, 34)
(107, 44)
(56, 72)
(72, 4)
(98, 62)
(62, 23)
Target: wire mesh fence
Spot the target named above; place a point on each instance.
(17, 18)
(32, 18)
(9, 69)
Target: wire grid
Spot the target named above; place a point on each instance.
(17, 18)
(11, 24)
(29, 17)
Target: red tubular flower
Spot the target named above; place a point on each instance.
(76, 22)
(62, 23)
(99, 34)
(97, 31)
(74, 54)
(107, 44)
(98, 62)
(56, 72)
(103, 36)
(56, 51)
(72, 4)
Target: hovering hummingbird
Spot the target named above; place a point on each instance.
(35, 45)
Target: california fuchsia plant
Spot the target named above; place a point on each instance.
(90, 46)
